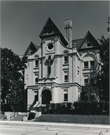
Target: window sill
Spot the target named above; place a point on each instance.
(65, 64)
(36, 67)
(89, 69)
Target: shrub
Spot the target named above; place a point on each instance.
(5, 107)
(31, 115)
(87, 107)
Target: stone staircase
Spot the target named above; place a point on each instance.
(18, 118)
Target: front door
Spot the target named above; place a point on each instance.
(46, 97)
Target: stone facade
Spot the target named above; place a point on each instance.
(61, 69)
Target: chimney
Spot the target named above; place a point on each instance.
(68, 31)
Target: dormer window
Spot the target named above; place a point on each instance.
(89, 44)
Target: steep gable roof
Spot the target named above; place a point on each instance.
(88, 36)
(50, 29)
(32, 48)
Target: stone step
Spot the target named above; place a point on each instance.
(18, 118)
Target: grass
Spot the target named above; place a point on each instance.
(85, 119)
(2, 116)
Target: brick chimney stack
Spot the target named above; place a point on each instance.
(68, 31)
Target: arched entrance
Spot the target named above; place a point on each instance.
(46, 97)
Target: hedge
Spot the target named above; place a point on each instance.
(57, 108)
(80, 108)
(11, 107)
(87, 107)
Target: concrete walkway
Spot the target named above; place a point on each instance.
(44, 128)
(28, 123)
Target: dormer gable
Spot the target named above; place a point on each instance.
(88, 42)
(32, 48)
(50, 29)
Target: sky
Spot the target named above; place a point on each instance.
(22, 21)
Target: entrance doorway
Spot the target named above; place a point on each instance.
(46, 97)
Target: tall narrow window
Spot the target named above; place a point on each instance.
(86, 64)
(36, 63)
(92, 64)
(65, 95)
(65, 59)
(36, 80)
(66, 78)
(86, 81)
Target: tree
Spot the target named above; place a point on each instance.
(12, 78)
(103, 76)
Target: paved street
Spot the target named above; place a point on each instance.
(50, 129)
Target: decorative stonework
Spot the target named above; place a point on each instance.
(56, 39)
(43, 41)
(49, 47)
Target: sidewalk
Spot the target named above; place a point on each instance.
(28, 123)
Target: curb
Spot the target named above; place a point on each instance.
(27, 123)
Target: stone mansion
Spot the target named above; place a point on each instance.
(61, 69)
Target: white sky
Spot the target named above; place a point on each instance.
(22, 21)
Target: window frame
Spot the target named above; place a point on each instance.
(66, 61)
(65, 95)
(86, 67)
(86, 83)
(36, 79)
(66, 80)
(37, 65)
(92, 66)
(89, 44)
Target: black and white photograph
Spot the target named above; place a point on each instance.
(54, 59)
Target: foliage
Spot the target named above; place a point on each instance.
(12, 84)
(91, 108)
(31, 115)
(103, 76)
(57, 108)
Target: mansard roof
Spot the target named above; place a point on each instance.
(88, 36)
(33, 47)
(50, 29)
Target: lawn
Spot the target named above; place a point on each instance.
(2, 116)
(86, 119)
